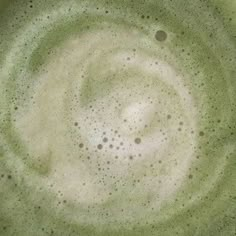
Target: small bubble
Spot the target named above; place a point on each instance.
(76, 123)
(137, 140)
(190, 176)
(81, 145)
(105, 140)
(168, 117)
(201, 133)
(161, 35)
(99, 146)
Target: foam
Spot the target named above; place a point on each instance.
(114, 125)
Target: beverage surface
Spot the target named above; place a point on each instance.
(118, 118)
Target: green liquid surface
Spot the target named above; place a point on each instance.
(118, 118)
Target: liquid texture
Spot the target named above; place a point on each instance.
(117, 118)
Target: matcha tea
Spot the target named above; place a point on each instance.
(118, 118)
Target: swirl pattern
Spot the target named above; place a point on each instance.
(117, 119)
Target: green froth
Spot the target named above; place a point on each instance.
(99, 66)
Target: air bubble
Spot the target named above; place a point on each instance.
(161, 35)
(201, 133)
(137, 140)
(105, 140)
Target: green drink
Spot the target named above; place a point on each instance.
(117, 118)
